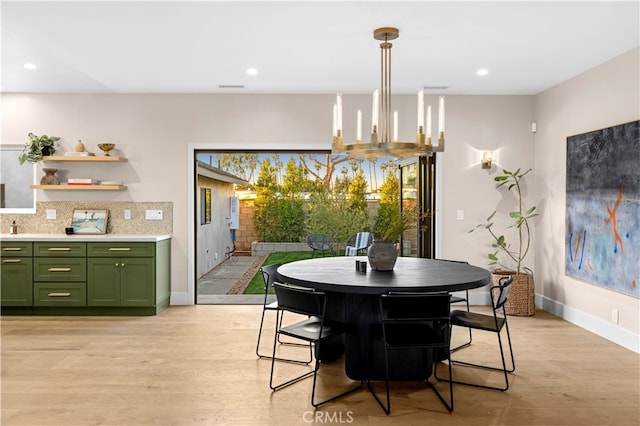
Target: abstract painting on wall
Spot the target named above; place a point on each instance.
(603, 208)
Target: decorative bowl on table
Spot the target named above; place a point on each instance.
(106, 147)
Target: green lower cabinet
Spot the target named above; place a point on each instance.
(60, 294)
(16, 281)
(127, 282)
(84, 278)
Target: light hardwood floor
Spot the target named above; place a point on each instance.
(195, 365)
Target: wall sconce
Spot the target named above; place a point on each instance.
(487, 159)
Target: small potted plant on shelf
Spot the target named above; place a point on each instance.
(521, 298)
(38, 147)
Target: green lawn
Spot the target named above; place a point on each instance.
(256, 285)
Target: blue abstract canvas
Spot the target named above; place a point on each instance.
(603, 207)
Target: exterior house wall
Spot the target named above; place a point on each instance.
(246, 234)
(214, 238)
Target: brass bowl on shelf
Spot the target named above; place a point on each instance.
(106, 147)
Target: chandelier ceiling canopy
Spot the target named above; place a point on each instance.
(384, 130)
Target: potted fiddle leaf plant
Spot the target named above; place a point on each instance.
(38, 147)
(390, 222)
(507, 257)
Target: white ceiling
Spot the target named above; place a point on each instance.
(306, 47)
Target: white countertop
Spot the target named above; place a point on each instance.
(84, 237)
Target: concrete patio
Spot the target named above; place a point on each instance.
(213, 287)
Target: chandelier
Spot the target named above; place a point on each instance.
(384, 132)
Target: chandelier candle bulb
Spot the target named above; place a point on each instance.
(441, 119)
(420, 111)
(374, 111)
(395, 126)
(339, 112)
(335, 120)
(428, 132)
(359, 127)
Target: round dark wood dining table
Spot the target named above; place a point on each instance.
(353, 299)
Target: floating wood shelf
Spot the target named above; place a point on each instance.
(86, 159)
(80, 187)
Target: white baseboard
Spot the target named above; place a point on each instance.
(181, 298)
(602, 328)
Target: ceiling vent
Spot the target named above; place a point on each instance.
(230, 86)
(435, 87)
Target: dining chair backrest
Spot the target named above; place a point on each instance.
(301, 300)
(270, 275)
(501, 291)
(416, 319)
(414, 306)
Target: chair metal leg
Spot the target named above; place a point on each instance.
(333, 398)
(468, 342)
(387, 408)
(449, 404)
(504, 368)
(279, 315)
(296, 379)
(273, 363)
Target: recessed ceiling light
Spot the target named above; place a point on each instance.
(252, 71)
(482, 72)
(30, 66)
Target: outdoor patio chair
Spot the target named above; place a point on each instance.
(358, 243)
(320, 243)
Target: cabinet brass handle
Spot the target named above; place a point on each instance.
(12, 248)
(59, 249)
(117, 264)
(122, 265)
(11, 260)
(59, 294)
(120, 249)
(59, 269)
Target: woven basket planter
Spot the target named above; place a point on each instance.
(521, 301)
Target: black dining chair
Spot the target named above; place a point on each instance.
(314, 330)
(416, 321)
(493, 323)
(269, 277)
(460, 299)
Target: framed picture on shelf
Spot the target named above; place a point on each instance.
(90, 221)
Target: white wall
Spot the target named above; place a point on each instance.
(155, 131)
(602, 97)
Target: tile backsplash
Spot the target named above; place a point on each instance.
(39, 224)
